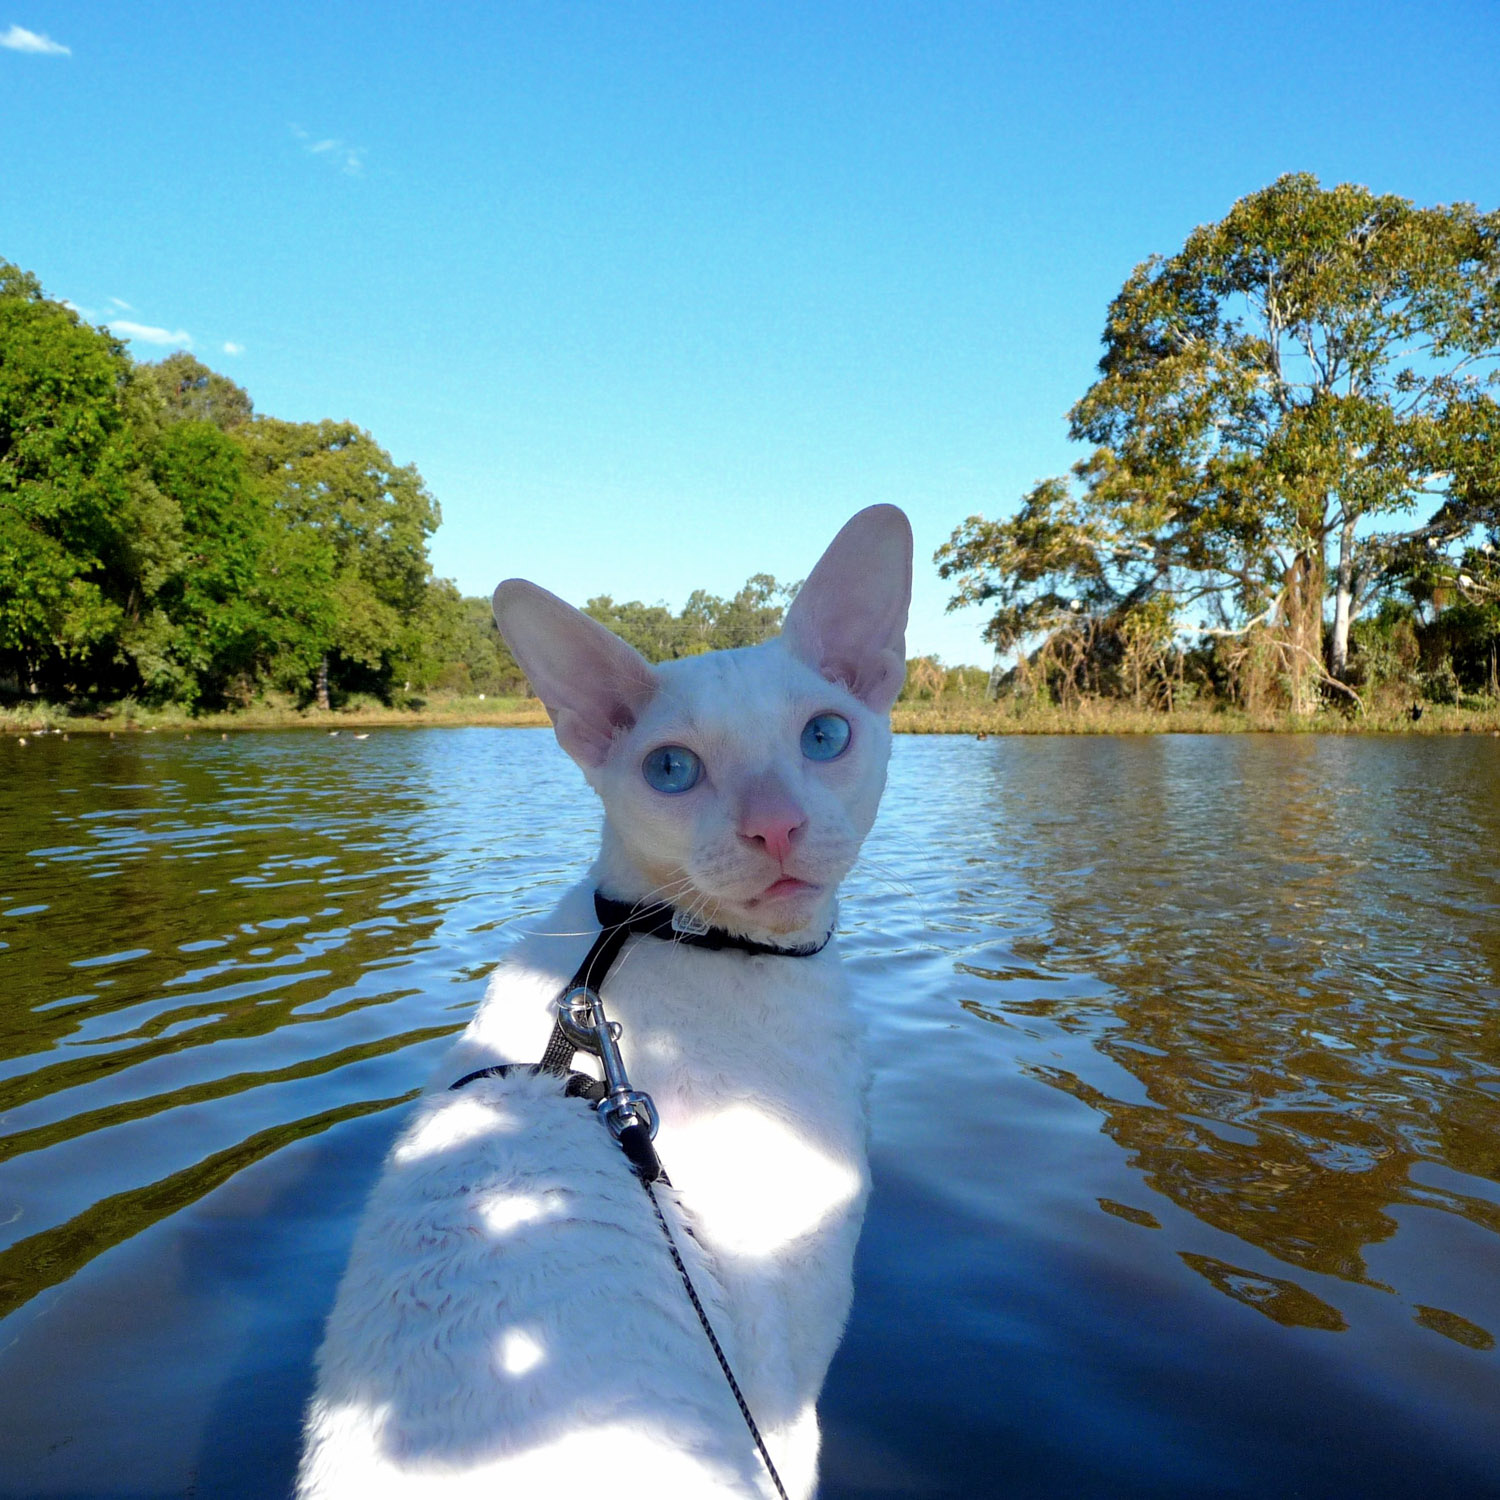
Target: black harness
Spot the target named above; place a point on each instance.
(630, 1115)
(619, 921)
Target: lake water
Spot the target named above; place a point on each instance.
(1186, 1104)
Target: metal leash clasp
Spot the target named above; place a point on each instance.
(580, 1013)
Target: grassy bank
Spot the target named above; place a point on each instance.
(975, 716)
(941, 716)
(128, 717)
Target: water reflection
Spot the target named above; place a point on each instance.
(203, 944)
(1187, 1064)
(1301, 940)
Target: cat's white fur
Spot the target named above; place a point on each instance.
(511, 1324)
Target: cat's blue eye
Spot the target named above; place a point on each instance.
(825, 736)
(672, 768)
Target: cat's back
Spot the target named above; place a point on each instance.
(505, 1246)
(510, 1285)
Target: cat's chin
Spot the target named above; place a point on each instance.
(787, 905)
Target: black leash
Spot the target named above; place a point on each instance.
(581, 1026)
(734, 1385)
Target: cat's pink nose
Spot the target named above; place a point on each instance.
(772, 820)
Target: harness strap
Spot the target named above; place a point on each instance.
(575, 1085)
(558, 1057)
(619, 921)
(589, 975)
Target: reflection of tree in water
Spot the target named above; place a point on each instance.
(1280, 1300)
(1305, 954)
(134, 871)
(195, 926)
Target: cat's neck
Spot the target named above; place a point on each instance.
(618, 875)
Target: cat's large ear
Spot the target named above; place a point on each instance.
(590, 682)
(848, 621)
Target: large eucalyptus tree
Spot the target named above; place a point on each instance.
(1289, 411)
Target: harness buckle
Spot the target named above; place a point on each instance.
(623, 1110)
(580, 1014)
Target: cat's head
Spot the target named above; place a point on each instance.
(737, 785)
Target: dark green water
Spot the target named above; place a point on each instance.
(1187, 1103)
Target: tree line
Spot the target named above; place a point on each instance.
(160, 540)
(1292, 497)
(1292, 494)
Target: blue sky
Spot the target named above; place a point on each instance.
(656, 295)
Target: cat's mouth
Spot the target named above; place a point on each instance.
(786, 905)
(788, 885)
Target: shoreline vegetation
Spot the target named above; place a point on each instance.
(976, 717)
(1277, 530)
(989, 719)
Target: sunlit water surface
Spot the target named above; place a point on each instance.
(1186, 1104)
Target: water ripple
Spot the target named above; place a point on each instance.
(1186, 1072)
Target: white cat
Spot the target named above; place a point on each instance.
(511, 1323)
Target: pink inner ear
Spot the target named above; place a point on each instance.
(590, 681)
(877, 679)
(849, 620)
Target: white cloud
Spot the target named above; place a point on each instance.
(149, 335)
(350, 160)
(230, 347)
(121, 305)
(18, 39)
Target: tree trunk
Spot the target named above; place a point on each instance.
(322, 688)
(997, 671)
(1303, 630)
(1343, 603)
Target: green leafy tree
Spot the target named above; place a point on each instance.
(362, 520)
(706, 623)
(492, 669)
(226, 605)
(1461, 600)
(465, 653)
(652, 629)
(156, 538)
(191, 392)
(1475, 621)
(1285, 409)
(86, 539)
(753, 615)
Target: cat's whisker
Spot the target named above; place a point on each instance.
(693, 912)
(667, 892)
(690, 912)
(557, 932)
(873, 867)
(866, 865)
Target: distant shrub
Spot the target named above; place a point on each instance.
(1441, 684)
